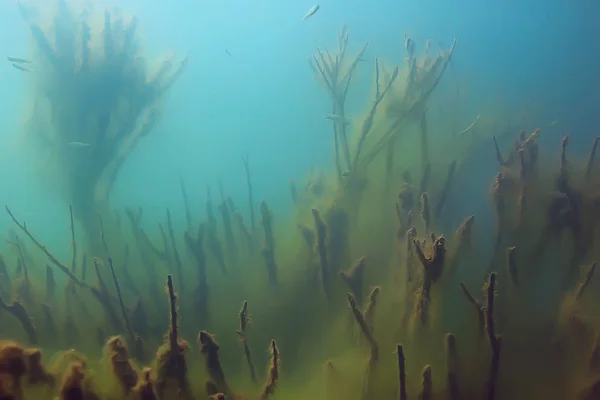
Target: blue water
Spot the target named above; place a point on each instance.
(263, 101)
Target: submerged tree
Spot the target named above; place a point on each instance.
(399, 102)
(94, 100)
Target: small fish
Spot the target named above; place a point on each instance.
(554, 123)
(311, 12)
(18, 60)
(78, 144)
(21, 68)
(337, 118)
(227, 52)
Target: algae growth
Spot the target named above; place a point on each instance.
(359, 293)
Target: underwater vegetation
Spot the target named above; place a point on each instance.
(361, 292)
(95, 98)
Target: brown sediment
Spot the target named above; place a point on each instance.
(242, 334)
(268, 251)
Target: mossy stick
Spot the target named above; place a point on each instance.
(321, 231)
(478, 307)
(43, 248)
(210, 350)
(136, 341)
(268, 251)
(273, 373)
(244, 321)
(401, 373)
(17, 310)
(170, 358)
(495, 340)
(368, 389)
(583, 285)
(452, 366)
(426, 384)
(353, 277)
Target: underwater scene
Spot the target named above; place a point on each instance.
(346, 200)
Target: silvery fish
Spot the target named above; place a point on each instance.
(78, 144)
(18, 60)
(334, 117)
(311, 12)
(21, 68)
